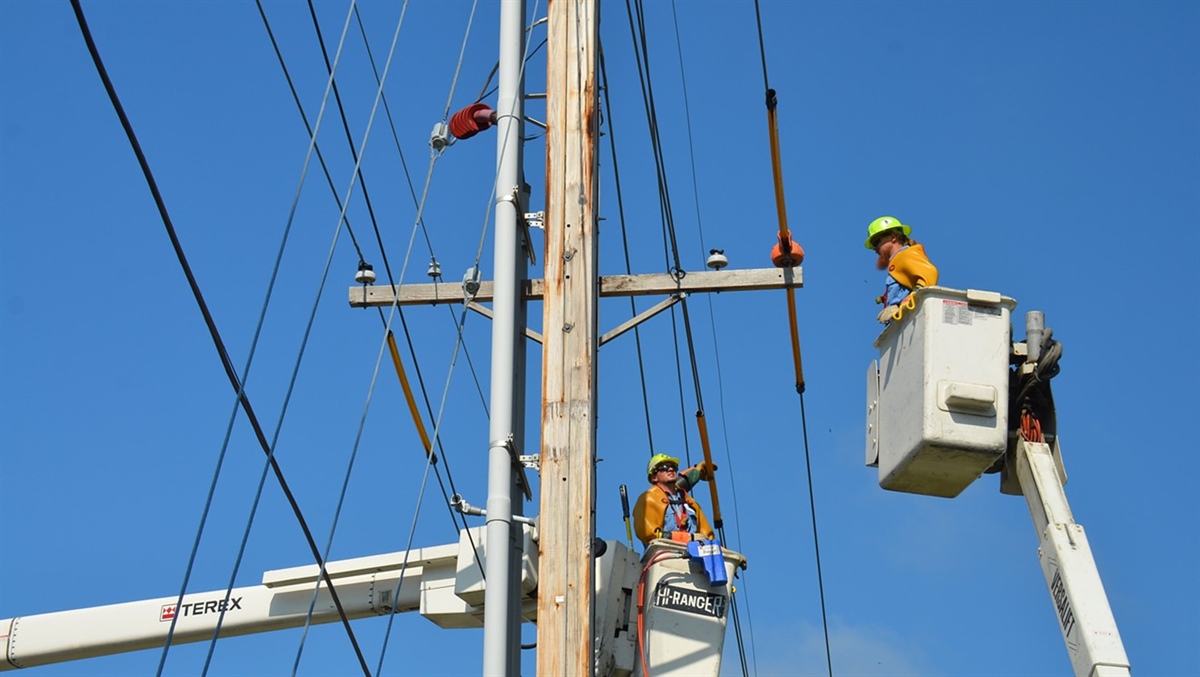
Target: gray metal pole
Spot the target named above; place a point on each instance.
(500, 645)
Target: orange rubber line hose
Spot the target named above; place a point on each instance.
(408, 394)
(712, 477)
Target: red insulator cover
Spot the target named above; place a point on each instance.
(471, 120)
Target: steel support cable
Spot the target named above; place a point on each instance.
(461, 323)
(337, 199)
(387, 110)
(733, 493)
(419, 223)
(429, 244)
(218, 342)
(648, 99)
(323, 573)
(484, 92)
(637, 337)
(737, 628)
(304, 118)
(429, 460)
(670, 250)
(674, 248)
(716, 354)
(424, 231)
(274, 440)
(356, 174)
(784, 235)
(337, 97)
(670, 243)
(643, 53)
(354, 154)
(454, 517)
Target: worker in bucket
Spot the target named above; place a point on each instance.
(665, 510)
(908, 269)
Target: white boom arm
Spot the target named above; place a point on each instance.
(1084, 615)
(443, 582)
(365, 587)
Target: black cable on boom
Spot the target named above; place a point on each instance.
(218, 342)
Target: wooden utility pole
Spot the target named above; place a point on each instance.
(566, 520)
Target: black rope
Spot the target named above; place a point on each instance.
(218, 342)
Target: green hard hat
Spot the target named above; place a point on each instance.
(657, 459)
(883, 223)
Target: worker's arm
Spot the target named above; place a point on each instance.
(701, 472)
(648, 518)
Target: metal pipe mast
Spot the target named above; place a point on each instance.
(501, 643)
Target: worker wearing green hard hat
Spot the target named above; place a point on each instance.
(665, 510)
(904, 260)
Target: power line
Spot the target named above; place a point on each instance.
(218, 342)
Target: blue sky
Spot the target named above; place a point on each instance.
(1046, 150)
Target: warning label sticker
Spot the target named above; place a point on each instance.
(955, 312)
(961, 312)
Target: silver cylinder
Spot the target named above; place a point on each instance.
(1035, 332)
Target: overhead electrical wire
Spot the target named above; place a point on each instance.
(637, 337)
(292, 381)
(454, 517)
(435, 154)
(235, 381)
(732, 483)
(784, 235)
(643, 61)
(425, 232)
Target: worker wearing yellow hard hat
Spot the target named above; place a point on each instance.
(904, 260)
(665, 510)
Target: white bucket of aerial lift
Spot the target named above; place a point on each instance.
(937, 397)
(683, 617)
(452, 593)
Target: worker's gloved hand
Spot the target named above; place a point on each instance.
(706, 470)
(887, 313)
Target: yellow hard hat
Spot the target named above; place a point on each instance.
(885, 223)
(657, 459)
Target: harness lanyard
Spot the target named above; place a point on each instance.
(681, 518)
(681, 512)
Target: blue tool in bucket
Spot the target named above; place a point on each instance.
(711, 556)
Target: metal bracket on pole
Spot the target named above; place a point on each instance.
(518, 466)
(514, 199)
(460, 504)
